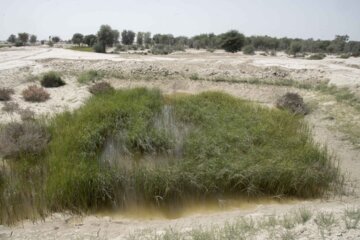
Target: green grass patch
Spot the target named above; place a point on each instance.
(82, 49)
(137, 146)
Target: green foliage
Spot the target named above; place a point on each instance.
(90, 40)
(160, 49)
(77, 38)
(100, 47)
(107, 36)
(12, 38)
(295, 48)
(249, 50)
(33, 39)
(57, 39)
(90, 76)
(232, 41)
(127, 37)
(246, 165)
(23, 37)
(352, 218)
(51, 80)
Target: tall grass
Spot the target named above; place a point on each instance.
(217, 146)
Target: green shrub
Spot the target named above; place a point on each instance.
(232, 147)
(161, 49)
(248, 50)
(99, 47)
(35, 94)
(232, 41)
(5, 94)
(318, 56)
(52, 80)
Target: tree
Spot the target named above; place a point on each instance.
(140, 38)
(295, 47)
(56, 39)
(77, 38)
(232, 41)
(12, 38)
(147, 38)
(33, 39)
(23, 38)
(106, 37)
(90, 40)
(127, 37)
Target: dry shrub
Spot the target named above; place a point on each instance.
(101, 87)
(5, 94)
(17, 139)
(10, 107)
(27, 114)
(292, 102)
(35, 94)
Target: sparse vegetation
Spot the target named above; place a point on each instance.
(292, 102)
(100, 88)
(90, 76)
(22, 139)
(52, 80)
(248, 50)
(10, 107)
(352, 218)
(318, 56)
(35, 94)
(27, 114)
(5, 94)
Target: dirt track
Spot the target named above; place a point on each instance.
(170, 74)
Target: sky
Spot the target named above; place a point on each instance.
(318, 19)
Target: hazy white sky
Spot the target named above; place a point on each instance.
(293, 18)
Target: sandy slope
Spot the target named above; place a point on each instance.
(17, 64)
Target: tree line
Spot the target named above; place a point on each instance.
(231, 41)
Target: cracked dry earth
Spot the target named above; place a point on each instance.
(171, 75)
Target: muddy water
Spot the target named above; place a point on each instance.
(190, 208)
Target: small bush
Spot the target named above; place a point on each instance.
(90, 76)
(249, 50)
(292, 102)
(101, 87)
(17, 139)
(161, 49)
(27, 114)
(5, 94)
(35, 94)
(52, 80)
(319, 56)
(10, 107)
(99, 48)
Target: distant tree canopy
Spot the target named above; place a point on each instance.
(23, 37)
(232, 41)
(77, 38)
(33, 39)
(127, 37)
(12, 38)
(140, 38)
(90, 40)
(57, 39)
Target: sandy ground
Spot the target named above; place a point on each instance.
(170, 74)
